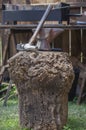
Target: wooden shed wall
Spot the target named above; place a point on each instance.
(76, 45)
(75, 0)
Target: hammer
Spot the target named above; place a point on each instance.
(30, 46)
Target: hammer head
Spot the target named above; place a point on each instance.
(26, 47)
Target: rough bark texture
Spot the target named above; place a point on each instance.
(43, 80)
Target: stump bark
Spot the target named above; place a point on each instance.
(43, 80)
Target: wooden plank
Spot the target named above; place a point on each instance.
(4, 55)
(12, 45)
(77, 4)
(76, 43)
(31, 26)
(14, 1)
(43, 1)
(84, 45)
(82, 88)
(65, 41)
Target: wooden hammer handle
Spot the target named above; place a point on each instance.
(40, 24)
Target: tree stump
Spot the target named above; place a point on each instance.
(43, 80)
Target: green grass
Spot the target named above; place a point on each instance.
(9, 119)
(76, 117)
(9, 116)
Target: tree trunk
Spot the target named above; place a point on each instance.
(43, 80)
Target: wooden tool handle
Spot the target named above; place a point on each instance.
(40, 24)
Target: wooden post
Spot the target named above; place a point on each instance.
(82, 88)
(7, 93)
(5, 48)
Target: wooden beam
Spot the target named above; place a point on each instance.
(30, 26)
(5, 49)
